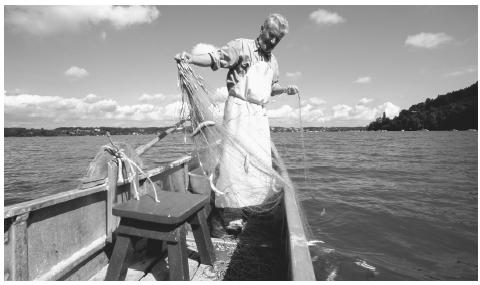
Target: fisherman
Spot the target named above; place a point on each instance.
(252, 79)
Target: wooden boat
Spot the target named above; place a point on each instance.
(68, 236)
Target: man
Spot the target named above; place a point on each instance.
(251, 80)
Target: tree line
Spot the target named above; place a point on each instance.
(80, 131)
(454, 110)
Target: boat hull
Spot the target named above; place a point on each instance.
(68, 236)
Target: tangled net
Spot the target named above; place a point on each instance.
(210, 138)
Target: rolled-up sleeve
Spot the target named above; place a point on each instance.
(228, 56)
(276, 73)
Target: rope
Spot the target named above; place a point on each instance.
(121, 156)
(302, 138)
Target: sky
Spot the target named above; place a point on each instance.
(113, 65)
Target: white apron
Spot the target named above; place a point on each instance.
(246, 163)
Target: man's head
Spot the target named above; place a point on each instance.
(272, 31)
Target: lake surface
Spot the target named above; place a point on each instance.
(380, 205)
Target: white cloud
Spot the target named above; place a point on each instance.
(363, 80)
(461, 72)
(43, 111)
(91, 98)
(154, 97)
(285, 111)
(337, 115)
(46, 20)
(324, 17)
(316, 101)
(341, 111)
(391, 110)
(35, 109)
(427, 40)
(76, 72)
(365, 100)
(202, 48)
(293, 75)
(103, 35)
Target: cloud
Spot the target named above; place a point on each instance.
(76, 72)
(37, 110)
(316, 101)
(91, 98)
(29, 110)
(285, 111)
(293, 75)
(47, 20)
(461, 72)
(428, 40)
(324, 17)
(148, 98)
(202, 48)
(391, 110)
(363, 80)
(341, 111)
(365, 100)
(338, 115)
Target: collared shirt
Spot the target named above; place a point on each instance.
(238, 55)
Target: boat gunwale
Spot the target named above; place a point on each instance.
(300, 264)
(50, 200)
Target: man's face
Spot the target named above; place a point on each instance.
(269, 37)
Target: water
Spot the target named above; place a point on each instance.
(381, 206)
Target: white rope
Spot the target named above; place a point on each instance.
(214, 188)
(202, 125)
(302, 138)
(122, 156)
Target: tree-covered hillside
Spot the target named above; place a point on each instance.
(455, 110)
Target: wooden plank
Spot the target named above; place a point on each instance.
(29, 206)
(148, 230)
(111, 194)
(177, 257)
(301, 267)
(117, 269)
(16, 248)
(57, 232)
(186, 176)
(202, 238)
(65, 266)
(88, 268)
(141, 149)
(175, 208)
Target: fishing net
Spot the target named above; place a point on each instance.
(213, 143)
(217, 149)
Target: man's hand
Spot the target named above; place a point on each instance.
(183, 56)
(291, 90)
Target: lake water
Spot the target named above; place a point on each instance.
(380, 205)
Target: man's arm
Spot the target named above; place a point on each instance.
(203, 60)
(290, 90)
(277, 89)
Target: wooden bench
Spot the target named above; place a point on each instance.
(164, 221)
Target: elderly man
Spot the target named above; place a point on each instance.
(252, 79)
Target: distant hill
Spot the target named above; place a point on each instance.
(455, 110)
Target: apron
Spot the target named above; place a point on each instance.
(246, 164)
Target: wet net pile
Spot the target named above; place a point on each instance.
(259, 253)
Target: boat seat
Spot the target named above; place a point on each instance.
(164, 221)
